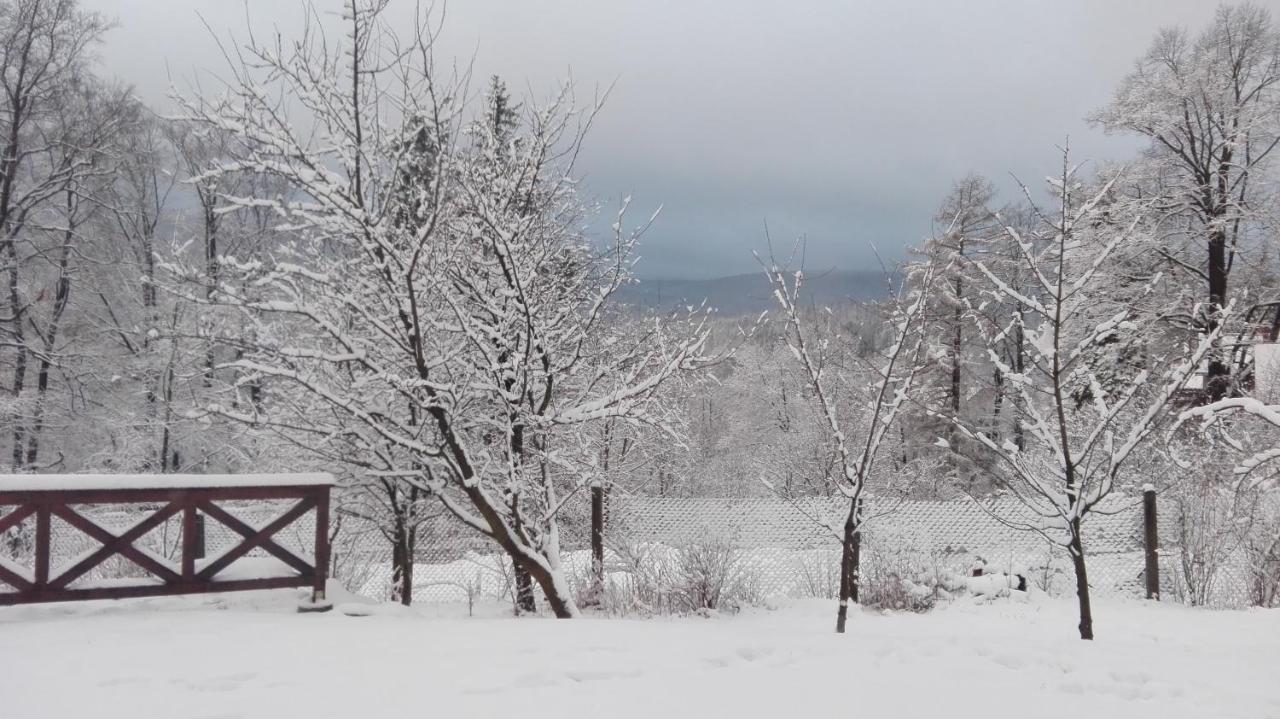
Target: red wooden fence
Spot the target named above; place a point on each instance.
(43, 497)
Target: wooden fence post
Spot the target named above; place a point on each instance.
(1151, 542)
(43, 530)
(189, 538)
(322, 546)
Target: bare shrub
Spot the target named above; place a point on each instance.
(1052, 573)
(714, 573)
(819, 574)
(905, 573)
(1259, 532)
(644, 580)
(1206, 538)
(472, 588)
(1261, 546)
(708, 574)
(892, 592)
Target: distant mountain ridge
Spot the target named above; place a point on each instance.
(750, 293)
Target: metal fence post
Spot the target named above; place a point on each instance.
(1151, 542)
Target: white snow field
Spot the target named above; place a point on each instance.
(252, 656)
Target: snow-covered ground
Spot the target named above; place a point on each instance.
(251, 656)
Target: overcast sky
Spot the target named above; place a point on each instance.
(844, 122)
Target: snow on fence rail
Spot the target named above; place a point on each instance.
(67, 482)
(68, 537)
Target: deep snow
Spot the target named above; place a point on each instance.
(251, 656)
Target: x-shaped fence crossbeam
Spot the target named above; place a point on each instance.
(185, 578)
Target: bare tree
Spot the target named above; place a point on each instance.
(451, 350)
(967, 221)
(45, 43)
(902, 362)
(1087, 400)
(1211, 107)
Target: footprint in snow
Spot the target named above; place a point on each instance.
(591, 676)
(751, 653)
(224, 683)
(121, 681)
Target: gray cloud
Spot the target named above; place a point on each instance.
(844, 122)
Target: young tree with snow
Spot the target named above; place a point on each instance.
(855, 458)
(1093, 388)
(967, 220)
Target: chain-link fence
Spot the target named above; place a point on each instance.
(776, 549)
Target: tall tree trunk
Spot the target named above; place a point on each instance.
(1217, 381)
(37, 413)
(62, 294)
(597, 543)
(1019, 366)
(170, 461)
(525, 602)
(997, 403)
(560, 605)
(850, 564)
(517, 548)
(403, 536)
(595, 595)
(23, 94)
(211, 281)
(558, 599)
(957, 343)
(18, 334)
(1082, 581)
(402, 551)
(597, 532)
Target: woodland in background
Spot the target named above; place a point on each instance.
(414, 304)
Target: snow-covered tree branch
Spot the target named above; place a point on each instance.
(433, 306)
(855, 457)
(1094, 387)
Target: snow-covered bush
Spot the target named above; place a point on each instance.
(1262, 552)
(895, 592)
(643, 580)
(902, 573)
(707, 574)
(714, 573)
(996, 585)
(1206, 539)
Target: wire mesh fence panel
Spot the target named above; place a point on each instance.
(779, 549)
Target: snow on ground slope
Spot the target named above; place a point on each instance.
(250, 656)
